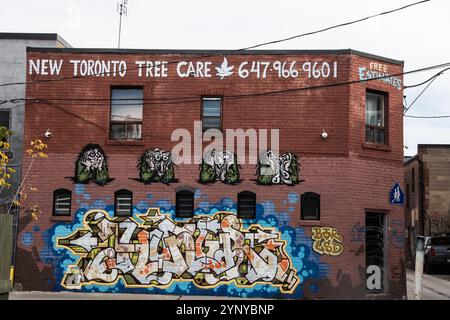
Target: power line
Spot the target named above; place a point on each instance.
(420, 94)
(335, 26)
(422, 83)
(426, 117)
(236, 50)
(237, 96)
(51, 104)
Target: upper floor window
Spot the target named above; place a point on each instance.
(375, 118)
(123, 203)
(211, 113)
(246, 205)
(184, 204)
(62, 201)
(126, 113)
(413, 180)
(310, 206)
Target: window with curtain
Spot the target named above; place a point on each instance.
(211, 113)
(62, 202)
(126, 113)
(123, 203)
(375, 118)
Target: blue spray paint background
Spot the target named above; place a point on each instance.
(298, 246)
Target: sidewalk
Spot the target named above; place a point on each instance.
(38, 295)
(435, 287)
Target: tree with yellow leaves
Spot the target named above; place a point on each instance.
(36, 150)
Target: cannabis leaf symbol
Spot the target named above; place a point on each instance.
(224, 70)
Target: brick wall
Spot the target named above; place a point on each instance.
(436, 165)
(352, 177)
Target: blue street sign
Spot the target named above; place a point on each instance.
(396, 196)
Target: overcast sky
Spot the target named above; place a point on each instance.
(417, 35)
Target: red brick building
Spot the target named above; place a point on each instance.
(310, 221)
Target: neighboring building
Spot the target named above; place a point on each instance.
(427, 180)
(13, 70)
(118, 216)
(13, 63)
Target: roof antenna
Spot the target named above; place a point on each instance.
(122, 10)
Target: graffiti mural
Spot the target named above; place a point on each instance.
(205, 250)
(92, 165)
(219, 166)
(272, 169)
(156, 166)
(327, 240)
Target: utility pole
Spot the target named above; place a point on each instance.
(420, 248)
(122, 10)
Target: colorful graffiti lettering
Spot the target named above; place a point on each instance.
(272, 169)
(156, 166)
(92, 165)
(219, 166)
(327, 240)
(205, 250)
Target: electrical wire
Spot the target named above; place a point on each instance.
(335, 26)
(422, 83)
(243, 95)
(420, 94)
(238, 50)
(426, 117)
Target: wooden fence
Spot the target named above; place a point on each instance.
(6, 248)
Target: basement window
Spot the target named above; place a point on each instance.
(211, 113)
(62, 202)
(126, 113)
(310, 206)
(184, 204)
(376, 117)
(123, 203)
(246, 205)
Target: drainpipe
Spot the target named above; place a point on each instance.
(421, 198)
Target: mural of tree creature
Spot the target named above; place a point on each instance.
(272, 169)
(92, 165)
(156, 166)
(219, 166)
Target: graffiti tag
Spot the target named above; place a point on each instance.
(327, 240)
(205, 250)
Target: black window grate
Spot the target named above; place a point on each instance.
(184, 204)
(246, 206)
(62, 202)
(123, 203)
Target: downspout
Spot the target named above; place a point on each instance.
(421, 198)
